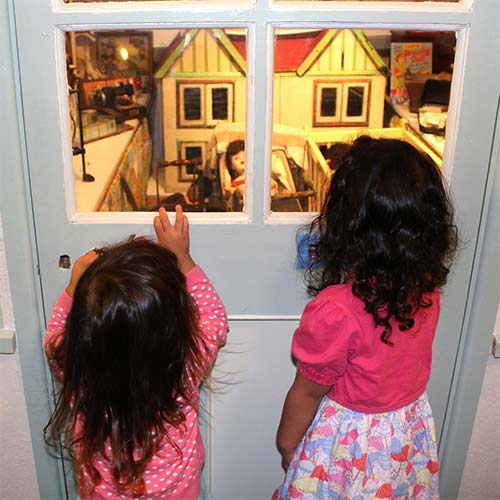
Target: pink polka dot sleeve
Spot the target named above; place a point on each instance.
(55, 329)
(212, 313)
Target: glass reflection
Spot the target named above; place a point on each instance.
(344, 83)
(150, 114)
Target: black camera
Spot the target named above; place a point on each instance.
(109, 97)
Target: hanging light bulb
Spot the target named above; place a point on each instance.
(124, 53)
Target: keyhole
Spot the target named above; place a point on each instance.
(64, 262)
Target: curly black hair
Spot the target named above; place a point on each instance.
(386, 227)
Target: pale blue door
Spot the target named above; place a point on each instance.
(251, 255)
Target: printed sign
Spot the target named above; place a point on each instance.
(413, 57)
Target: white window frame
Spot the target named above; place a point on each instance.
(260, 19)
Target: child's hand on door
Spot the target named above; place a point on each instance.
(79, 267)
(175, 237)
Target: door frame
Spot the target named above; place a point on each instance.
(21, 256)
(19, 231)
(476, 335)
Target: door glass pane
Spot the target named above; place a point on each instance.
(152, 114)
(347, 82)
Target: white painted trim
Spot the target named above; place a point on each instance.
(205, 218)
(264, 317)
(292, 218)
(408, 6)
(213, 5)
(455, 104)
(269, 122)
(65, 125)
(249, 125)
(286, 6)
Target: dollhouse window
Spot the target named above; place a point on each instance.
(355, 102)
(219, 103)
(341, 103)
(328, 100)
(190, 151)
(192, 105)
(204, 104)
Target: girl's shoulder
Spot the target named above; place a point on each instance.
(336, 301)
(338, 295)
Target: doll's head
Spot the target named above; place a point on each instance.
(235, 158)
(334, 154)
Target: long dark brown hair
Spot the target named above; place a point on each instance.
(387, 228)
(129, 345)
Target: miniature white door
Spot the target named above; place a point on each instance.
(251, 258)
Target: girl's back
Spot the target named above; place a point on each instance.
(337, 344)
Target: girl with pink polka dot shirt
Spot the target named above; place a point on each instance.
(130, 340)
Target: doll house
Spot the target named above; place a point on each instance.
(334, 78)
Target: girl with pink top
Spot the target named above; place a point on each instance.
(356, 423)
(131, 339)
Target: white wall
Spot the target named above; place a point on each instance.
(481, 476)
(17, 468)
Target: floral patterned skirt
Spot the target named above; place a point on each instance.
(349, 455)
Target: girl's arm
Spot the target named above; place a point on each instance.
(57, 321)
(212, 314)
(300, 407)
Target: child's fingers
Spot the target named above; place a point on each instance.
(179, 218)
(165, 221)
(185, 227)
(91, 256)
(157, 225)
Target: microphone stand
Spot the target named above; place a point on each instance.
(80, 150)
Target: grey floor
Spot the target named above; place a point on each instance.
(481, 477)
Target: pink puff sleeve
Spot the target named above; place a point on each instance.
(321, 342)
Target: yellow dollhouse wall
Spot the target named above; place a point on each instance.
(202, 62)
(344, 60)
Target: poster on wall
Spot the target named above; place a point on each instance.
(411, 57)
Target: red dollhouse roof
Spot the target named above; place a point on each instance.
(295, 51)
(290, 49)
